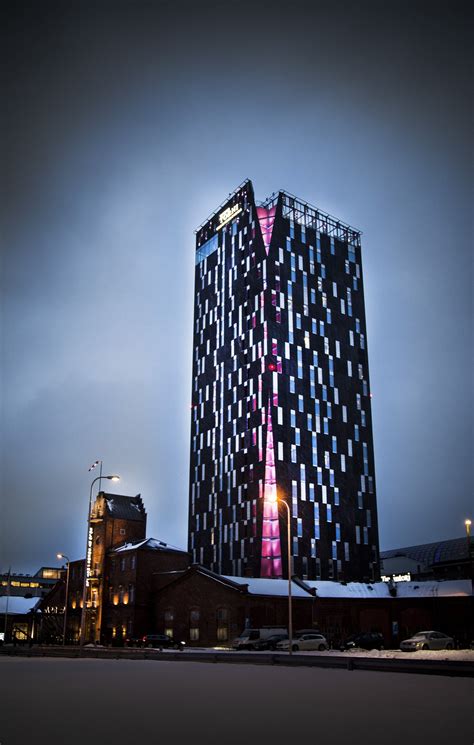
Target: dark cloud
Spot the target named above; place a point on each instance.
(128, 123)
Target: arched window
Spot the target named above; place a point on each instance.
(169, 622)
(222, 624)
(194, 618)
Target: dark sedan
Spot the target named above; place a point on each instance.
(364, 640)
(270, 643)
(161, 641)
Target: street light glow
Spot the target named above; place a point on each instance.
(113, 478)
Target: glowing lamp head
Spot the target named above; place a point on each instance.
(113, 478)
(272, 498)
(467, 523)
(59, 556)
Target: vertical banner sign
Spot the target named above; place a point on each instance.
(89, 555)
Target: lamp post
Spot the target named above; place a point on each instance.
(63, 556)
(467, 525)
(290, 572)
(88, 555)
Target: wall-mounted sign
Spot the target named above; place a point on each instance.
(397, 577)
(89, 554)
(228, 214)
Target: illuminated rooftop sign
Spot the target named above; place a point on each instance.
(397, 577)
(228, 214)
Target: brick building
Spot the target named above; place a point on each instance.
(206, 609)
(125, 569)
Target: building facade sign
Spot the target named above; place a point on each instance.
(228, 214)
(397, 577)
(89, 555)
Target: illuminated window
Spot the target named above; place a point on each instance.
(222, 624)
(169, 622)
(194, 617)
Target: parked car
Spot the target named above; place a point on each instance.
(250, 637)
(270, 642)
(364, 640)
(427, 640)
(134, 641)
(305, 642)
(162, 641)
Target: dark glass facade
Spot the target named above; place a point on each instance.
(281, 395)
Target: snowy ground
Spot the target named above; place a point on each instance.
(88, 701)
(451, 654)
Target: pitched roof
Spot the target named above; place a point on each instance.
(431, 553)
(121, 507)
(435, 588)
(271, 587)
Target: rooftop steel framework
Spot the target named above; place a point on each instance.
(312, 217)
(302, 213)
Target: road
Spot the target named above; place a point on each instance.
(89, 701)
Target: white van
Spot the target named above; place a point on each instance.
(249, 637)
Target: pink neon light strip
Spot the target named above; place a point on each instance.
(266, 219)
(271, 546)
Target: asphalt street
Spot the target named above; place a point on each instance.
(88, 701)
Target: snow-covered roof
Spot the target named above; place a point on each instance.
(441, 588)
(152, 544)
(17, 604)
(122, 507)
(355, 590)
(264, 586)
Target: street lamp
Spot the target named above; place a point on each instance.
(275, 498)
(63, 556)
(467, 524)
(88, 555)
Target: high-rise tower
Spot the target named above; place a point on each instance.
(281, 395)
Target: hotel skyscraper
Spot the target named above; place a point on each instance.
(281, 394)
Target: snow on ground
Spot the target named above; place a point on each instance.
(452, 654)
(428, 654)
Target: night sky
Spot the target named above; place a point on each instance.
(124, 126)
